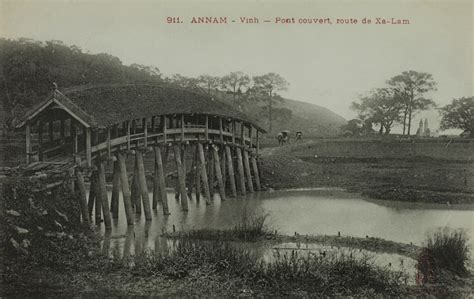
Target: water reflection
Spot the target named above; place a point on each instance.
(304, 212)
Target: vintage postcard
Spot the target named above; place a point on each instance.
(236, 148)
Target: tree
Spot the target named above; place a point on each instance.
(409, 87)
(352, 128)
(183, 81)
(268, 85)
(459, 115)
(234, 83)
(382, 107)
(208, 83)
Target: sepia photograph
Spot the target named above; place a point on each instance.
(224, 148)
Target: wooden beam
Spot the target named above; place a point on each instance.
(230, 168)
(221, 133)
(250, 136)
(182, 128)
(143, 185)
(145, 130)
(164, 129)
(161, 180)
(75, 142)
(40, 140)
(217, 169)
(233, 131)
(256, 173)
(28, 141)
(181, 177)
(240, 170)
(114, 204)
(128, 135)
(242, 133)
(202, 166)
(82, 198)
(108, 143)
(258, 143)
(104, 197)
(248, 171)
(125, 189)
(88, 147)
(206, 130)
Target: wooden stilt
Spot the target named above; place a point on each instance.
(135, 194)
(114, 204)
(247, 171)
(202, 166)
(91, 194)
(125, 189)
(211, 169)
(161, 180)
(230, 168)
(240, 170)
(82, 197)
(218, 169)
(181, 178)
(143, 186)
(256, 174)
(198, 181)
(98, 203)
(156, 187)
(103, 197)
(223, 166)
(190, 178)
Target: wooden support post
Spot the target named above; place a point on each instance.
(156, 187)
(108, 143)
(75, 142)
(247, 171)
(211, 171)
(256, 173)
(114, 205)
(88, 147)
(128, 135)
(92, 187)
(143, 186)
(223, 165)
(125, 189)
(161, 180)
(182, 128)
(250, 136)
(240, 170)
(217, 168)
(153, 124)
(242, 134)
(258, 144)
(28, 142)
(230, 167)
(198, 179)
(202, 166)
(98, 203)
(233, 131)
(40, 140)
(51, 130)
(206, 130)
(145, 131)
(62, 131)
(82, 197)
(135, 194)
(103, 197)
(164, 119)
(190, 177)
(221, 132)
(181, 178)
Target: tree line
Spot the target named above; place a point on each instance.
(398, 102)
(28, 69)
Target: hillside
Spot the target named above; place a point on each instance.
(30, 68)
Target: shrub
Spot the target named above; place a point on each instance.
(445, 249)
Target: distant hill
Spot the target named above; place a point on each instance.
(29, 68)
(312, 119)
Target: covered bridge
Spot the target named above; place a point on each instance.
(89, 125)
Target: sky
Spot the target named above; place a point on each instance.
(327, 65)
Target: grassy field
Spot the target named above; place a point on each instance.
(431, 170)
